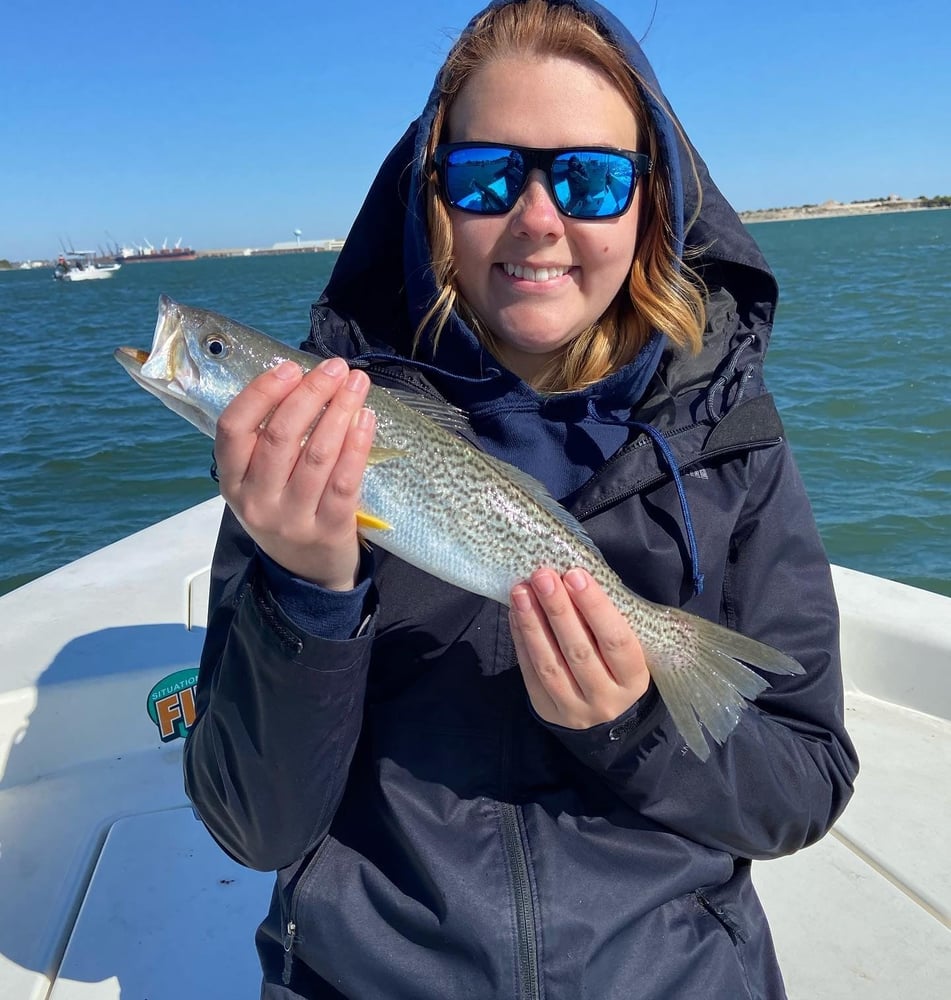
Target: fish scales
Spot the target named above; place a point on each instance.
(448, 505)
(453, 507)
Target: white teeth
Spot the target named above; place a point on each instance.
(531, 274)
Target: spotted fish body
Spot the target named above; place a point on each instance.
(439, 503)
(461, 514)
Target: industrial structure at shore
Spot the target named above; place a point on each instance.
(298, 246)
(150, 254)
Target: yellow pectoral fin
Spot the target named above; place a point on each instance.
(365, 520)
(378, 455)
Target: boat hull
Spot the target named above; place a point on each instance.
(107, 873)
(84, 265)
(86, 274)
(157, 255)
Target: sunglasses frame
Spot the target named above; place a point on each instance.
(541, 159)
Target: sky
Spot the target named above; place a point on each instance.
(233, 125)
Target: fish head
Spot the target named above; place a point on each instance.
(200, 360)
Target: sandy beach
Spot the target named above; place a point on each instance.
(831, 209)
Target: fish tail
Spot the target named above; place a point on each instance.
(703, 678)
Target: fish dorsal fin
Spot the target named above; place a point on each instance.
(448, 417)
(456, 421)
(539, 493)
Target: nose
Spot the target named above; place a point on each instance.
(535, 214)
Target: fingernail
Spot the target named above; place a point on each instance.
(520, 599)
(576, 579)
(544, 583)
(335, 367)
(366, 419)
(355, 381)
(287, 370)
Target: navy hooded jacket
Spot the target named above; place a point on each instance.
(432, 836)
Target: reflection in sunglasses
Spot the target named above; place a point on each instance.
(585, 183)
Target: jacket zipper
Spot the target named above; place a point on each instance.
(663, 476)
(290, 932)
(290, 914)
(526, 937)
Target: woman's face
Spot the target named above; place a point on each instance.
(570, 269)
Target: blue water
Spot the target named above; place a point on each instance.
(860, 363)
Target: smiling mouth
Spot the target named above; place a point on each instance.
(537, 275)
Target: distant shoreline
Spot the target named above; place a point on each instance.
(827, 210)
(835, 209)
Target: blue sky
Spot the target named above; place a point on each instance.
(233, 125)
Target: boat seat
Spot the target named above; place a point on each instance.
(167, 914)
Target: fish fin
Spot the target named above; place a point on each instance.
(456, 421)
(370, 521)
(365, 520)
(704, 680)
(539, 493)
(376, 456)
(447, 416)
(379, 455)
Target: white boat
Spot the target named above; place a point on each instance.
(82, 265)
(110, 887)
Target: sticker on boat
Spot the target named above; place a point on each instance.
(171, 704)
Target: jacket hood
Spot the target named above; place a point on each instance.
(383, 281)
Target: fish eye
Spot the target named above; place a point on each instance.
(216, 347)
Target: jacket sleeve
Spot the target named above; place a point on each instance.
(278, 716)
(785, 774)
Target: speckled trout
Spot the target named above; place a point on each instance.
(438, 502)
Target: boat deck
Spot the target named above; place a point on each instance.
(110, 887)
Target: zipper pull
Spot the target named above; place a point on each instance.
(290, 933)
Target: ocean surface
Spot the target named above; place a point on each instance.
(860, 363)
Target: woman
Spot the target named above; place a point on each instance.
(465, 801)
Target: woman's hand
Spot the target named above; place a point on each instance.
(581, 661)
(291, 450)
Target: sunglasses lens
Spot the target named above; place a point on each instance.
(486, 180)
(586, 183)
(592, 184)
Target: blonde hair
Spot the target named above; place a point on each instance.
(661, 293)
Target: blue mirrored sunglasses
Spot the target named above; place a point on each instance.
(587, 182)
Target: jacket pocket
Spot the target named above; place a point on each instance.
(722, 914)
(710, 901)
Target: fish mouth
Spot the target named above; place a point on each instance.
(131, 358)
(168, 368)
(167, 371)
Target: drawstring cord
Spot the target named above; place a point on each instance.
(721, 383)
(670, 460)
